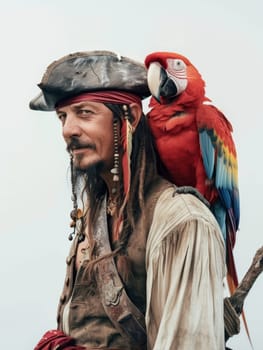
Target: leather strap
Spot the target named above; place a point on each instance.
(126, 317)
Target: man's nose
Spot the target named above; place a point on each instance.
(71, 127)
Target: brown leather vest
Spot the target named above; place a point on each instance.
(88, 322)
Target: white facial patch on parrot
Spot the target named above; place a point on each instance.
(176, 71)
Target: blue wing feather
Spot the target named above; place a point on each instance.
(219, 163)
(208, 152)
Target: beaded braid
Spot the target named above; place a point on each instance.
(76, 213)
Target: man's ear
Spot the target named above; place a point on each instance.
(136, 112)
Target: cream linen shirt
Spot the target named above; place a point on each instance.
(185, 262)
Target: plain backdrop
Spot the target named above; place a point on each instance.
(223, 39)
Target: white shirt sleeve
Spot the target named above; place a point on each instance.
(185, 262)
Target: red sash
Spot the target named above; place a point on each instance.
(56, 339)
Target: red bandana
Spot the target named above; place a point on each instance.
(110, 96)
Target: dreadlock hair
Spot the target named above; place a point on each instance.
(94, 189)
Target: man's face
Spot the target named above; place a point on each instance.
(87, 128)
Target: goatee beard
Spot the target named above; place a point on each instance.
(92, 171)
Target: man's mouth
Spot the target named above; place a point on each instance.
(76, 147)
(77, 150)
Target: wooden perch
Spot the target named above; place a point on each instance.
(238, 298)
(233, 305)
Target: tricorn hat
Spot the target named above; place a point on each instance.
(89, 71)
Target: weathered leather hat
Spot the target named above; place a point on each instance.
(89, 71)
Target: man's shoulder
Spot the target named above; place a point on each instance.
(165, 202)
(176, 213)
(182, 205)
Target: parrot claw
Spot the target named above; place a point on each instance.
(191, 190)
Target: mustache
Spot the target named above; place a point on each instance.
(76, 144)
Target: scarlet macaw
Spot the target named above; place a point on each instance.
(194, 142)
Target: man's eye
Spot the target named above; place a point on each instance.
(62, 117)
(85, 111)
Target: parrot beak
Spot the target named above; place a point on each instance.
(154, 79)
(159, 83)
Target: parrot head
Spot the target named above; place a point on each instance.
(172, 76)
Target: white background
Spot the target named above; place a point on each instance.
(224, 41)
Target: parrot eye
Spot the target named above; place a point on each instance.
(177, 72)
(178, 64)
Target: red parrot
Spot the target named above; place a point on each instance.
(194, 141)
